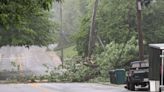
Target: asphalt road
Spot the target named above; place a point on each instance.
(61, 87)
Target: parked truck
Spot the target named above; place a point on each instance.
(137, 75)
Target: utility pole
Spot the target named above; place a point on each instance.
(61, 32)
(92, 33)
(140, 33)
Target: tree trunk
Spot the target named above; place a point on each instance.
(61, 32)
(92, 33)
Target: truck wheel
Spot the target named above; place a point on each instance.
(132, 87)
(127, 85)
(160, 90)
(148, 87)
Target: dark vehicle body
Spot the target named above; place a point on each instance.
(137, 75)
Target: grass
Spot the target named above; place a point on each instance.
(68, 52)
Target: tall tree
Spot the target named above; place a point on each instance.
(92, 33)
(26, 22)
(61, 32)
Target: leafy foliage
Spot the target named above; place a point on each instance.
(81, 37)
(111, 58)
(75, 71)
(113, 24)
(153, 22)
(26, 22)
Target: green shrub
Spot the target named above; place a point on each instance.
(117, 56)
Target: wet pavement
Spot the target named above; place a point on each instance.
(63, 87)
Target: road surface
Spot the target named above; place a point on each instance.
(61, 87)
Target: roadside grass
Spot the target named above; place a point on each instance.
(68, 52)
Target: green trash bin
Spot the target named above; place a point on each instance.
(120, 75)
(112, 76)
(117, 76)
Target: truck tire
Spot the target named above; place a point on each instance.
(132, 87)
(127, 85)
(148, 86)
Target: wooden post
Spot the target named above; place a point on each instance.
(140, 33)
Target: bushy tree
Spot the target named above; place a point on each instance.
(26, 22)
(153, 21)
(115, 20)
(117, 56)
